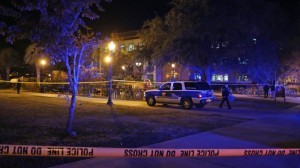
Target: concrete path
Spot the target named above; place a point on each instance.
(199, 141)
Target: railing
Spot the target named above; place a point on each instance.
(129, 90)
(258, 89)
(133, 90)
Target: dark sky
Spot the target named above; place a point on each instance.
(126, 15)
(119, 16)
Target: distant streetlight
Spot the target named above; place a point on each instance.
(138, 64)
(107, 59)
(43, 62)
(111, 47)
(173, 71)
(124, 69)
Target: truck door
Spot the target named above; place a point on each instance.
(165, 90)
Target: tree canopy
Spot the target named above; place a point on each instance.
(211, 33)
(59, 27)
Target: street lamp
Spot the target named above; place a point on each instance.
(111, 47)
(173, 71)
(138, 64)
(123, 69)
(43, 62)
(107, 59)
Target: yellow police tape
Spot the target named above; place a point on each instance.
(68, 151)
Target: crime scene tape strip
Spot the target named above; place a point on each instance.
(67, 83)
(68, 151)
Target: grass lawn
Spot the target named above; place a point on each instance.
(32, 120)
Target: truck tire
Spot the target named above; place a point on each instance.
(186, 103)
(151, 100)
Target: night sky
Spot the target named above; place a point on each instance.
(126, 15)
(119, 16)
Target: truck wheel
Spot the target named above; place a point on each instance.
(186, 103)
(151, 100)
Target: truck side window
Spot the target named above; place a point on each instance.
(177, 86)
(166, 86)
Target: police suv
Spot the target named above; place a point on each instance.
(184, 93)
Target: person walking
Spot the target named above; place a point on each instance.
(266, 91)
(225, 94)
(18, 86)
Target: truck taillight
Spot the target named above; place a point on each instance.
(200, 95)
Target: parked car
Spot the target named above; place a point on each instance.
(184, 93)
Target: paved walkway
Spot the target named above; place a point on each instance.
(204, 140)
(290, 99)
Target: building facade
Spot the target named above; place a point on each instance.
(128, 43)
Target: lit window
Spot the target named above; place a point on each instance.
(141, 46)
(242, 78)
(195, 76)
(131, 47)
(220, 78)
(213, 78)
(123, 47)
(226, 78)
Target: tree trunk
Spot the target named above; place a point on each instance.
(7, 73)
(38, 74)
(72, 111)
(206, 75)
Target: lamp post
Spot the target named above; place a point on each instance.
(123, 69)
(43, 62)
(173, 71)
(138, 64)
(111, 48)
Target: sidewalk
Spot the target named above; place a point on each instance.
(289, 99)
(206, 140)
(286, 127)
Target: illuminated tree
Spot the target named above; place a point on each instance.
(32, 56)
(59, 27)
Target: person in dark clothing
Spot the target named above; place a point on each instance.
(266, 91)
(18, 86)
(225, 94)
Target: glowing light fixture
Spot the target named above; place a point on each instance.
(111, 46)
(107, 59)
(43, 62)
(138, 63)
